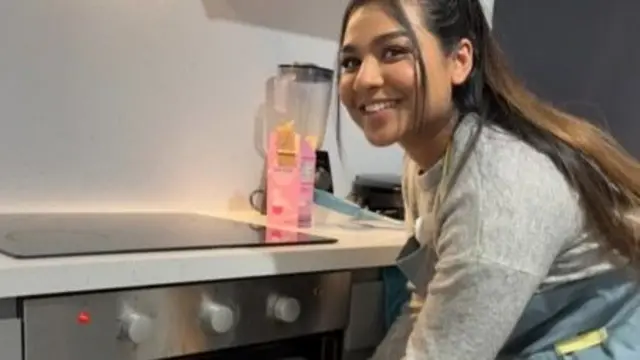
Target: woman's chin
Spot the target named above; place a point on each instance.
(381, 139)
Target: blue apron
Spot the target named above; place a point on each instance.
(395, 294)
(592, 319)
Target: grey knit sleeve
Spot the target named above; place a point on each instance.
(502, 226)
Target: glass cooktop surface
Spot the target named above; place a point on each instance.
(75, 234)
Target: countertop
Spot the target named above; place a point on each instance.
(358, 246)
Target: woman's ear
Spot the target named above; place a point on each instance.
(461, 62)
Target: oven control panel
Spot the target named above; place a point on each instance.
(158, 323)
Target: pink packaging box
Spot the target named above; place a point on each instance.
(291, 161)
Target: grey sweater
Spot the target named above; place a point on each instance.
(511, 226)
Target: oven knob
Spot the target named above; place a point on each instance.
(135, 327)
(217, 317)
(285, 309)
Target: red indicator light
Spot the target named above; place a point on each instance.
(83, 318)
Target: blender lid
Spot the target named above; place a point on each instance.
(307, 71)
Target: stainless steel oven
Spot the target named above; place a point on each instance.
(285, 317)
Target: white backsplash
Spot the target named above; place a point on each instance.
(126, 104)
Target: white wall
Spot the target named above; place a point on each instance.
(130, 104)
(125, 104)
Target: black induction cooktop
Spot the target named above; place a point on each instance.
(45, 235)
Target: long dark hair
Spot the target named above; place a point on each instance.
(606, 177)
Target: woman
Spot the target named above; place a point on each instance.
(523, 242)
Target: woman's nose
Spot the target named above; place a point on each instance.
(369, 76)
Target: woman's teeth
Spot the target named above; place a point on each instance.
(379, 106)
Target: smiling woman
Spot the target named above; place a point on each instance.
(377, 50)
(521, 238)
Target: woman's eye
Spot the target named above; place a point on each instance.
(349, 64)
(394, 53)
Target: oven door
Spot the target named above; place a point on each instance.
(327, 346)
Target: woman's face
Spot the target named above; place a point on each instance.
(377, 82)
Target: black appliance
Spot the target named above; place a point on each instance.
(380, 193)
(73, 234)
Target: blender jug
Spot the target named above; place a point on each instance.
(302, 94)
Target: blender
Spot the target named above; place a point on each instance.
(299, 93)
(302, 94)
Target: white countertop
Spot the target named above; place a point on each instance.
(357, 247)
